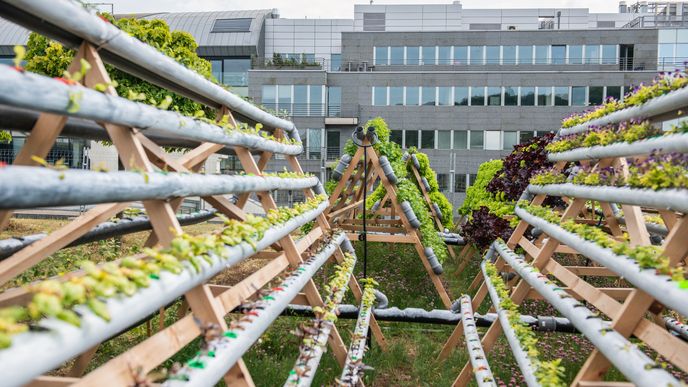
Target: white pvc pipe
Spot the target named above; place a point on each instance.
(674, 100)
(30, 187)
(34, 353)
(481, 368)
(663, 144)
(353, 365)
(625, 356)
(668, 199)
(71, 16)
(661, 287)
(37, 92)
(229, 350)
(519, 353)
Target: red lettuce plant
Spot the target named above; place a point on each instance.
(484, 228)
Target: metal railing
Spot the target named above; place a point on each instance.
(624, 64)
(280, 62)
(300, 109)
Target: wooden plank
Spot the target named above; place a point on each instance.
(384, 238)
(385, 229)
(52, 381)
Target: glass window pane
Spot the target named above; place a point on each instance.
(471, 179)
(596, 95)
(461, 96)
(544, 96)
(460, 139)
(575, 54)
(444, 55)
(477, 139)
(509, 55)
(316, 97)
(335, 62)
(460, 182)
(578, 95)
(492, 54)
(493, 140)
(510, 96)
(608, 54)
(444, 139)
(614, 92)
(412, 55)
(235, 71)
(526, 136)
(427, 139)
(682, 34)
(428, 96)
(558, 54)
(284, 97)
(477, 96)
(541, 54)
(510, 139)
(429, 55)
(379, 96)
(381, 55)
(334, 101)
(300, 94)
(412, 96)
(667, 36)
(527, 96)
(269, 96)
(460, 55)
(396, 96)
(525, 54)
(592, 54)
(494, 96)
(681, 53)
(411, 138)
(396, 136)
(561, 96)
(215, 67)
(477, 55)
(396, 55)
(443, 182)
(445, 97)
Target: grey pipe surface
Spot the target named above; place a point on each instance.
(227, 351)
(341, 167)
(104, 230)
(452, 238)
(433, 261)
(30, 187)
(666, 103)
(353, 366)
(436, 207)
(667, 199)
(481, 368)
(664, 144)
(68, 22)
(631, 362)
(18, 89)
(36, 352)
(661, 287)
(674, 326)
(415, 161)
(426, 184)
(410, 215)
(387, 170)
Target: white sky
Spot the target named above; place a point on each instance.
(338, 9)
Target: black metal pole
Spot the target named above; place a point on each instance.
(365, 196)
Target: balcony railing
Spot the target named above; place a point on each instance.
(320, 153)
(279, 63)
(305, 109)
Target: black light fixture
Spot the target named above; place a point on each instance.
(364, 138)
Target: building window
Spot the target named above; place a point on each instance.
(460, 55)
(477, 55)
(412, 56)
(427, 139)
(525, 54)
(492, 55)
(314, 143)
(509, 140)
(544, 96)
(232, 25)
(381, 56)
(527, 96)
(510, 96)
(493, 140)
(526, 136)
(316, 104)
(334, 101)
(396, 55)
(477, 96)
(231, 71)
(429, 96)
(614, 92)
(575, 54)
(578, 95)
(443, 182)
(596, 95)
(460, 96)
(397, 136)
(477, 139)
(411, 138)
(444, 139)
(559, 54)
(284, 98)
(269, 96)
(412, 96)
(379, 96)
(396, 96)
(444, 97)
(300, 106)
(592, 54)
(561, 96)
(460, 182)
(541, 54)
(460, 139)
(471, 179)
(494, 96)
(509, 55)
(335, 62)
(609, 54)
(444, 55)
(429, 56)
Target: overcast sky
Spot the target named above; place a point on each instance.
(338, 9)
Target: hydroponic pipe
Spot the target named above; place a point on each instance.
(313, 354)
(30, 187)
(666, 103)
(519, 353)
(674, 326)
(481, 368)
(353, 366)
(70, 23)
(668, 199)
(104, 230)
(37, 92)
(658, 286)
(664, 144)
(626, 357)
(452, 238)
(36, 352)
(228, 350)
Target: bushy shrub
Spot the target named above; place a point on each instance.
(477, 194)
(484, 227)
